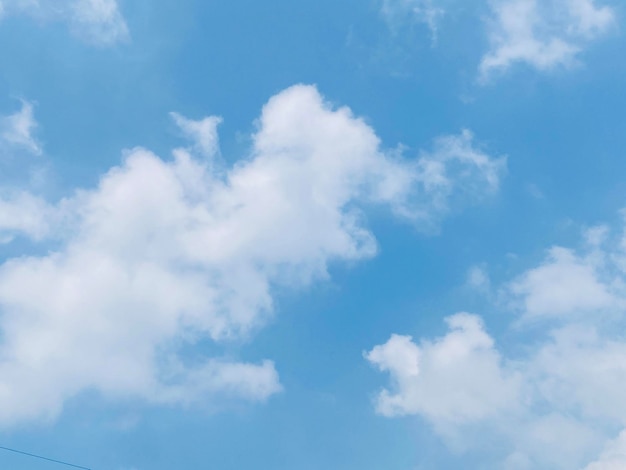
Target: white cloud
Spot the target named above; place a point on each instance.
(552, 400)
(542, 34)
(564, 284)
(536, 409)
(454, 173)
(16, 130)
(203, 132)
(397, 12)
(451, 381)
(535, 191)
(478, 279)
(165, 253)
(23, 213)
(613, 457)
(99, 21)
(96, 21)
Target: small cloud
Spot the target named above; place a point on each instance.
(16, 130)
(430, 378)
(597, 235)
(202, 133)
(544, 35)
(99, 22)
(563, 284)
(478, 279)
(398, 12)
(535, 191)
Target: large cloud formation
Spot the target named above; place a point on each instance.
(164, 253)
(559, 403)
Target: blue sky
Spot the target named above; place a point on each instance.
(381, 234)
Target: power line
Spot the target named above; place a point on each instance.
(43, 458)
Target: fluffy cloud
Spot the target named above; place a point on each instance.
(550, 410)
(17, 130)
(164, 253)
(554, 403)
(96, 21)
(564, 284)
(451, 381)
(542, 34)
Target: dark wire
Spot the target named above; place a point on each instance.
(43, 458)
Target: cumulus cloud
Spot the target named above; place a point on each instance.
(165, 253)
(542, 411)
(564, 284)
(96, 21)
(451, 381)
(17, 130)
(542, 34)
(554, 403)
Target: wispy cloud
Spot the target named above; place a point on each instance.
(398, 12)
(99, 22)
(203, 133)
(17, 130)
(542, 34)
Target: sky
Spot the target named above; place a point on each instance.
(351, 235)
